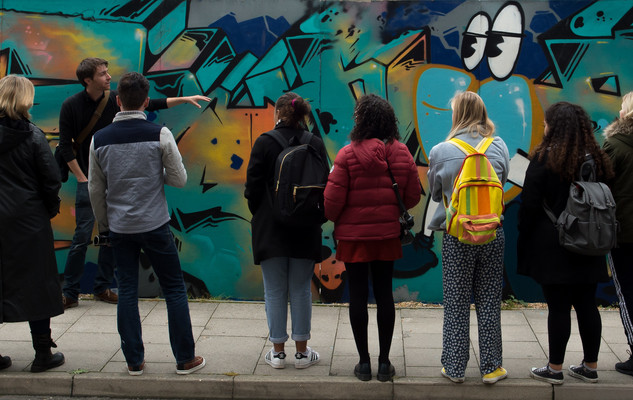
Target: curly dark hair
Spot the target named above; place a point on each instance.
(87, 68)
(567, 139)
(293, 110)
(374, 118)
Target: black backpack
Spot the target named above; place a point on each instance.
(299, 181)
(587, 225)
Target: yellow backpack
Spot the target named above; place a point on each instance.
(476, 205)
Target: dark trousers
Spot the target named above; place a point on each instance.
(622, 271)
(358, 280)
(560, 299)
(159, 247)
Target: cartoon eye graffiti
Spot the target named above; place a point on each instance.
(474, 42)
(504, 40)
(501, 43)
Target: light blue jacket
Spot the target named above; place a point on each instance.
(445, 161)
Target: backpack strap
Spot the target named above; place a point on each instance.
(279, 138)
(305, 138)
(481, 147)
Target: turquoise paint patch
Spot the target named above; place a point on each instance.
(170, 26)
(598, 19)
(239, 71)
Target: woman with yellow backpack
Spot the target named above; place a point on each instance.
(466, 174)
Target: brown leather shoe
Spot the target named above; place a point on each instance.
(191, 366)
(68, 303)
(108, 296)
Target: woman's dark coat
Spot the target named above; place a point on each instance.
(619, 146)
(539, 254)
(270, 239)
(29, 184)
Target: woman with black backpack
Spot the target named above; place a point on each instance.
(567, 279)
(287, 252)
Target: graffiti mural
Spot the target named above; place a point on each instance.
(519, 56)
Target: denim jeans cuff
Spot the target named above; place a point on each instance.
(301, 338)
(283, 339)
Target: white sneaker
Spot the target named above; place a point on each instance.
(303, 361)
(276, 361)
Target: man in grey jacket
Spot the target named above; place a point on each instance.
(130, 162)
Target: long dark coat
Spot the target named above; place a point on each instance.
(619, 147)
(270, 239)
(29, 184)
(540, 256)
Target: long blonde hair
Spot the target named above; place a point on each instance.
(16, 97)
(627, 105)
(470, 115)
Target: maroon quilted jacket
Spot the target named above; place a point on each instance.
(359, 198)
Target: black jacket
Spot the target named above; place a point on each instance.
(271, 239)
(29, 184)
(539, 254)
(619, 147)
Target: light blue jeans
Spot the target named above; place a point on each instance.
(285, 278)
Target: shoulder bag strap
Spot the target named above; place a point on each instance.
(95, 117)
(394, 185)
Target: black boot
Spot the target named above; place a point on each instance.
(5, 362)
(44, 359)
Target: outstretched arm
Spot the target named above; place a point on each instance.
(194, 100)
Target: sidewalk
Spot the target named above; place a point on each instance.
(232, 338)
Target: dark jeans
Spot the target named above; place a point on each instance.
(358, 280)
(623, 281)
(560, 299)
(159, 247)
(76, 258)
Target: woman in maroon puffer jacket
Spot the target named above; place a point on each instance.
(360, 200)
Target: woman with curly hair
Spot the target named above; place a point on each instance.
(286, 253)
(360, 200)
(469, 271)
(618, 145)
(567, 279)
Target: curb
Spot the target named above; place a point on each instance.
(199, 386)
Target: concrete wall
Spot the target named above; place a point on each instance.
(520, 56)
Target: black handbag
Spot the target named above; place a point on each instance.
(405, 219)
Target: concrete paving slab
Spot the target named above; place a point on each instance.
(254, 310)
(95, 324)
(234, 326)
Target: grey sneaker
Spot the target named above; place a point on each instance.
(277, 361)
(545, 374)
(303, 361)
(581, 372)
(625, 367)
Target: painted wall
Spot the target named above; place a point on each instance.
(520, 56)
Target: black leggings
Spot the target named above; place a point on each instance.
(560, 299)
(358, 280)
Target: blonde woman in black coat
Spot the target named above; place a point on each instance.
(29, 183)
(567, 279)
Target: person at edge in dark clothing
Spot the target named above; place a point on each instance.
(29, 184)
(75, 114)
(618, 145)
